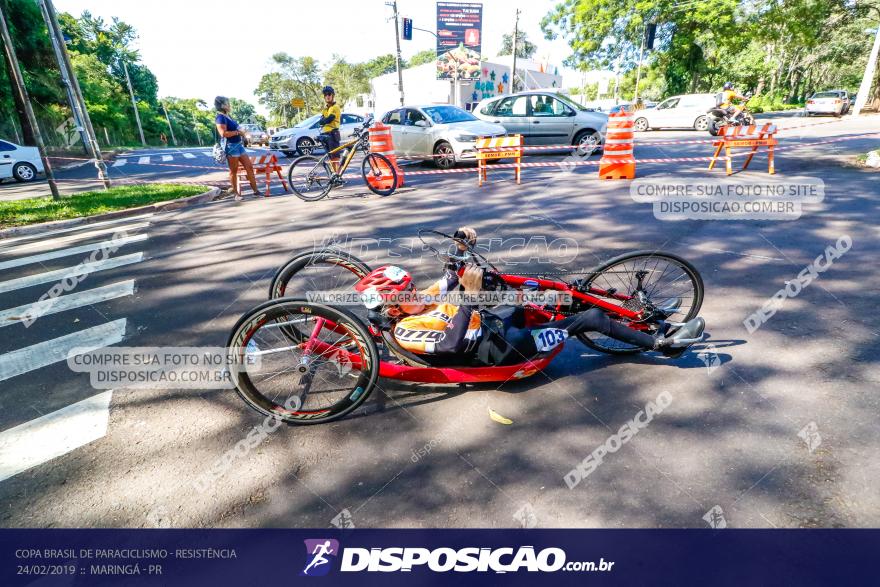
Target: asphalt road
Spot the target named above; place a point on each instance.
(732, 436)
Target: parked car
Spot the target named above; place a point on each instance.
(545, 118)
(300, 139)
(621, 108)
(685, 111)
(19, 163)
(254, 135)
(447, 134)
(834, 102)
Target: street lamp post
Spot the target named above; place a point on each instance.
(868, 77)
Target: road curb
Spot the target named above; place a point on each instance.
(187, 202)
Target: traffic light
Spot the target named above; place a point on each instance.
(650, 31)
(407, 29)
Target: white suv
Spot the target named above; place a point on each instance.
(20, 163)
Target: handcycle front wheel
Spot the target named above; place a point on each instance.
(379, 174)
(309, 178)
(328, 374)
(667, 281)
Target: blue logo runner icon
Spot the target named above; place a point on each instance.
(320, 553)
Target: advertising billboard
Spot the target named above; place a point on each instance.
(459, 39)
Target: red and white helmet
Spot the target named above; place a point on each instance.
(383, 284)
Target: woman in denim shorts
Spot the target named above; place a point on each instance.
(235, 151)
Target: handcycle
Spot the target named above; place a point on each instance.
(307, 362)
(312, 178)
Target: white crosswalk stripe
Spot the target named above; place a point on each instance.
(41, 236)
(52, 351)
(49, 245)
(106, 245)
(60, 274)
(93, 253)
(167, 158)
(53, 435)
(120, 162)
(189, 156)
(144, 161)
(72, 301)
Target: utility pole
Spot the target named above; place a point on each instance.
(639, 69)
(134, 105)
(71, 100)
(21, 91)
(55, 31)
(170, 128)
(515, 46)
(397, 40)
(196, 129)
(868, 77)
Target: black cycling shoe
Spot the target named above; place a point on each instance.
(674, 346)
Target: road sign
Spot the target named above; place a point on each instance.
(407, 29)
(298, 103)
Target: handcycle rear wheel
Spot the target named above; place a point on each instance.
(668, 278)
(328, 374)
(309, 179)
(379, 174)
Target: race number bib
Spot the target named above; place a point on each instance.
(549, 338)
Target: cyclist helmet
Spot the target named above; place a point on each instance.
(728, 85)
(383, 285)
(328, 90)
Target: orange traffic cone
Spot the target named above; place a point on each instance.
(618, 161)
(381, 142)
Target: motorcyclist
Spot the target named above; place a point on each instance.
(496, 337)
(728, 97)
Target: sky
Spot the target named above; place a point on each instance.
(204, 48)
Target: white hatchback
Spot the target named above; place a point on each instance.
(19, 163)
(686, 111)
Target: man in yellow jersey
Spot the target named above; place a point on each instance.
(727, 97)
(331, 117)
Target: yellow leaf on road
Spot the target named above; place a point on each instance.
(498, 417)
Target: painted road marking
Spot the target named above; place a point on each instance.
(55, 434)
(7, 241)
(144, 161)
(167, 157)
(48, 245)
(120, 162)
(52, 351)
(72, 251)
(68, 302)
(59, 274)
(189, 156)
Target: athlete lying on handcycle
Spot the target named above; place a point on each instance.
(490, 337)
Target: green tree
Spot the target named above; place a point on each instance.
(347, 79)
(383, 64)
(422, 57)
(524, 48)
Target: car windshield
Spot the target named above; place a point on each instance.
(827, 95)
(572, 103)
(308, 121)
(447, 114)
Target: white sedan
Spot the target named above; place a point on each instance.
(687, 111)
(20, 163)
(835, 102)
(439, 132)
(300, 139)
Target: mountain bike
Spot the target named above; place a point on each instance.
(312, 178)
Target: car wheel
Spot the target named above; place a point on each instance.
(444, 155)
(305, 146)
(641, 124)
(587, 142)
(24, 172)
(701, 123)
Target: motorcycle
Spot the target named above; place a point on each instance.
(719, 117)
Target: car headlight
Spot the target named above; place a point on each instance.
(465, 137)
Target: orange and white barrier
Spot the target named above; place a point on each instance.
(499, 148)
(618, 161)
(382, 143)
(266, 164)
(745, 136)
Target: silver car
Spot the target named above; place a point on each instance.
(300, 139)
(546, 118)
(446, 134)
